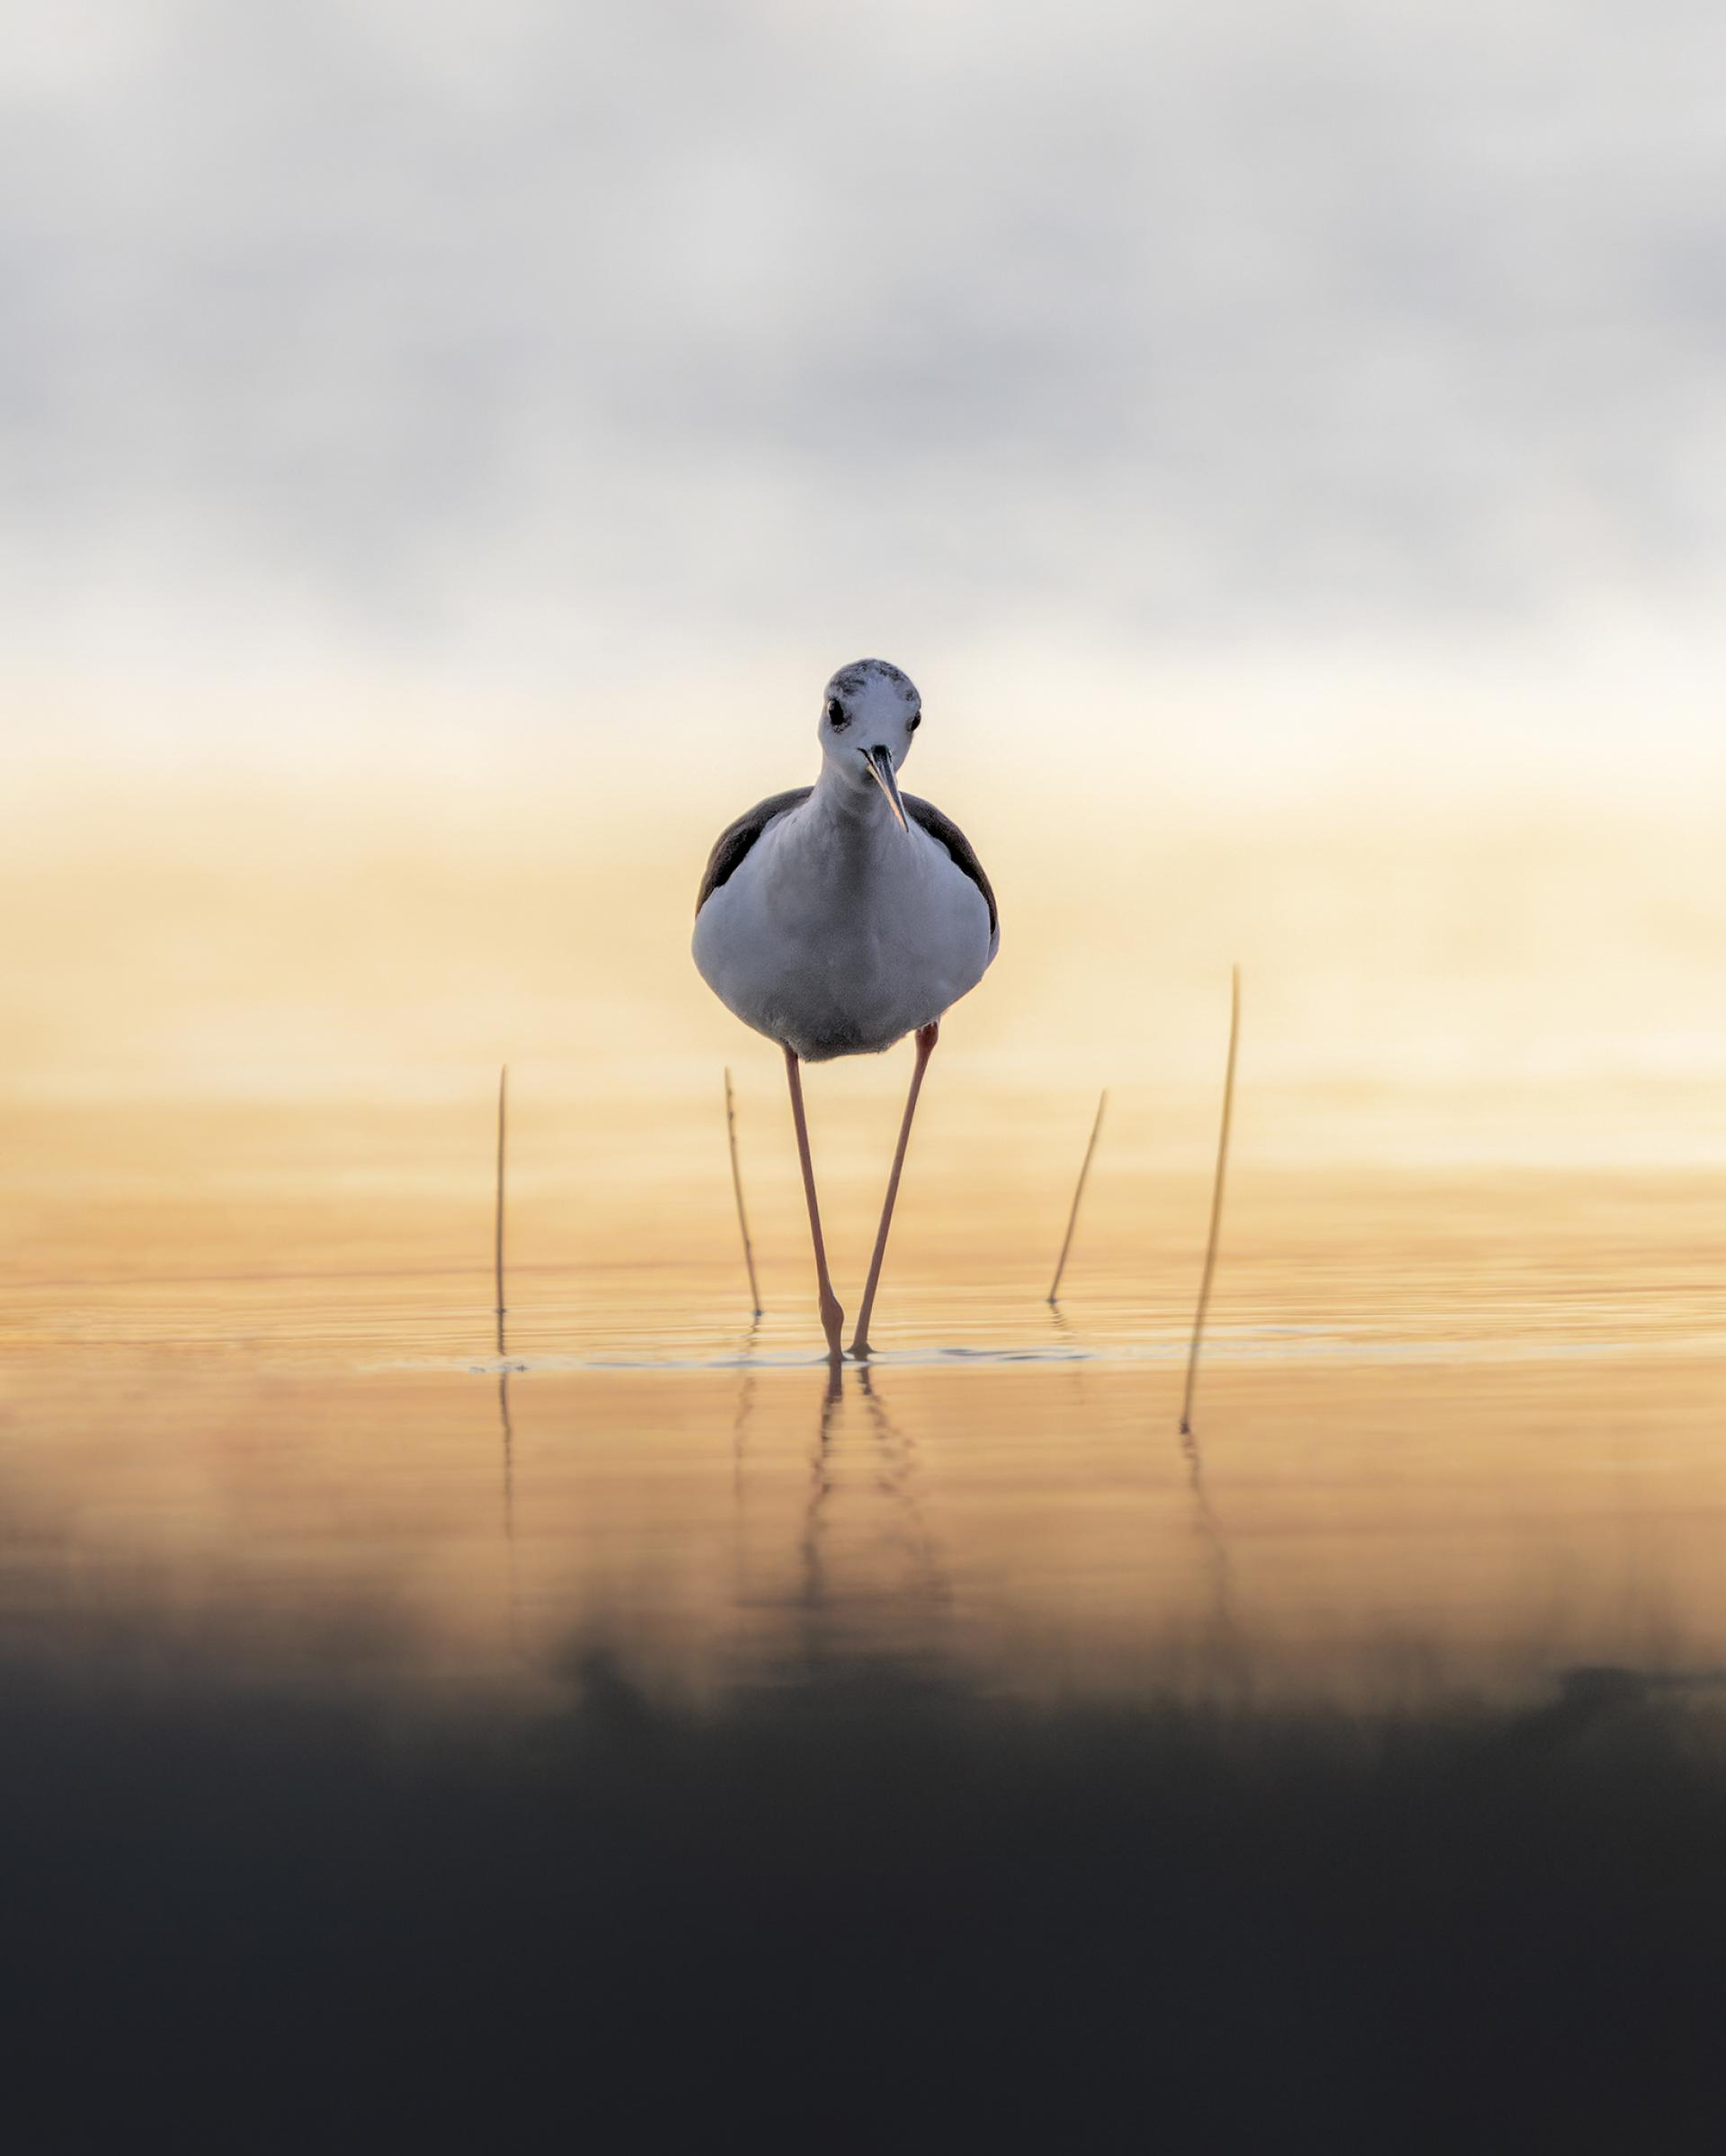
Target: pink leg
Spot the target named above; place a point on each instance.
(832, 1318)
(926, 1039)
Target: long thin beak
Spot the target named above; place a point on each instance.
(881, 767)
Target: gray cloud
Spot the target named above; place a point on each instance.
(500, 332)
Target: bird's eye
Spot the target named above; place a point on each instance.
(916, 721)
(836, 717)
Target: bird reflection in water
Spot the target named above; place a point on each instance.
(899, 1476)
(830, 1606)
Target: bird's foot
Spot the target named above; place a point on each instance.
(833, 1323)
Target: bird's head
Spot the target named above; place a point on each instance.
(868, 713)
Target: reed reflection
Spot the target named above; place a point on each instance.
(506, 1428)
(745, 1410)
(506, 1432)
(740, 1427)
(1063, 1327)
(506, 1438)
(1227, 1644)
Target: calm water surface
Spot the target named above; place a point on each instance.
(1460, 1425)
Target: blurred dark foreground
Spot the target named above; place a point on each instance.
(861, 1910)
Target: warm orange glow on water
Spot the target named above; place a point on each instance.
(1460, 1410)
(1356, 1527)
(399, 941)
(1457, 1427)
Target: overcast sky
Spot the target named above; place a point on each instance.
(519, 345)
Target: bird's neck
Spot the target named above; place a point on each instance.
(854, 806)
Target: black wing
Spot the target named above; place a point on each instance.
(929, 817)
(734, 841)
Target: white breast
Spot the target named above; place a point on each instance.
(843, 941)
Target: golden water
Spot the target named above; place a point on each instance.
(1461, 1411)
(1459, 1426)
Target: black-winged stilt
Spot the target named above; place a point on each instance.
(838, 918)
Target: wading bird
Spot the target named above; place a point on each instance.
(838, 918)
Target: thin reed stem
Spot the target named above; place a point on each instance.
(502, 1136)
(1073, 1218)
(1216, 1205)
(737, 1186)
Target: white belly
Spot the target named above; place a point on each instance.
(837, 953)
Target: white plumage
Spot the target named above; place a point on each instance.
(838, 934)
(840, 916)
